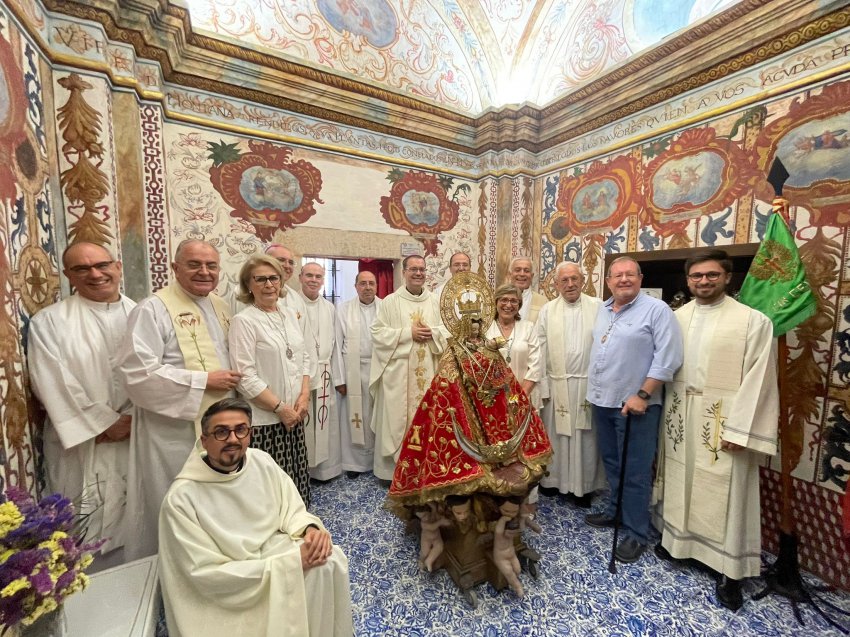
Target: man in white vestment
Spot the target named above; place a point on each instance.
(71, 356)
(565, 331)
(407, 341)
(352, 361)
(322, 431)
(458, 262)
(721, 415)
(240, 555)
(173, 365)
(521, 274)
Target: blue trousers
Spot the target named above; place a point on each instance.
(610, 426)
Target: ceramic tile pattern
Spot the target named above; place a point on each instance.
(574, 593)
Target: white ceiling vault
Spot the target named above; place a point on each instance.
(465, 55)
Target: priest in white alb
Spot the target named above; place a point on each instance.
(720, 420)
(240, 556)
(173, 364)
(352, 361)
(565, 328)
(521, 274)
(407, 340)
(71, 356)
(322, 429)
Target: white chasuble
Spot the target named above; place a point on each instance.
(167, 396)
(401, 370)
(351, 366)
(322, 430)
(71, 357)
(230, 557)
(725, 390)
(565, 332)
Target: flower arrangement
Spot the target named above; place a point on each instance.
(43, 554)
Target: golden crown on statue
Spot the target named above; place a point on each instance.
(469, 303)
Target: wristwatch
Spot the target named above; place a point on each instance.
(644, 394)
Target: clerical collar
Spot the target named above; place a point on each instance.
(362, 304)
(409, 291)
(99, 305)
(227, 473)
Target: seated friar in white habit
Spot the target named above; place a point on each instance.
(721, 417)
(173, 364)
(565, 333)
(239, 555)
(458, 262)
(71, 357)
(352, 361)
(322, 429)
(521, 274)
(407, 340)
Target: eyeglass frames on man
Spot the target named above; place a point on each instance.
(223, 433)
(102, 266)
(711, 276)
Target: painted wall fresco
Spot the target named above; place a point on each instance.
(705, 186)
(28, 269)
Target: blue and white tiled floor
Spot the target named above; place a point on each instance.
(574, 593)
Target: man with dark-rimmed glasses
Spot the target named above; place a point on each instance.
(239, 553)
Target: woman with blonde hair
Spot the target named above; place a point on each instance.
(520, 350)
(267, 347)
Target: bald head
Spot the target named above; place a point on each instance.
(459, 262)
(367, 286)
(92, 271)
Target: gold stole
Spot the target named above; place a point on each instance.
(704, 417)
(194, 339)
(564, 420)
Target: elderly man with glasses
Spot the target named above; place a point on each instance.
(174, 364)
(239, 553)
(637, 347)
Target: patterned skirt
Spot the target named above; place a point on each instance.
(289, 450)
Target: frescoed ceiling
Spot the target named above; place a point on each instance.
(465, 55)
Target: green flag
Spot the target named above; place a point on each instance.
(776, 284)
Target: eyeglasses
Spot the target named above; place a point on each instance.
(415, 270)
(507, 301)
(623, 275)
(711, 276)
(85, 269)
(262, 280)
(223, 433)
(287, 261)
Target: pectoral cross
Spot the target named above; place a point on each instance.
(356, 421)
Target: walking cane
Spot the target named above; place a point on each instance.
(612, 565)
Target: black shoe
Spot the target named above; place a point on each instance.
(352, 475)
(629, 550)
(549, 492)
(599, 520)
(663, 554)
(385, 483)
(581, 501)
(729, 593)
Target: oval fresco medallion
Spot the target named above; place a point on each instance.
(596, 201)
(374, 20)
(421, 208)
(270, 188)
(816, 151)
(693, 180)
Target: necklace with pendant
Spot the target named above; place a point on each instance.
(615, 318)
(278, 327)
(510, 341)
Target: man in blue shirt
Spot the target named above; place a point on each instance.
(637, 347)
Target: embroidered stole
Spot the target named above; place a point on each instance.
(194, 338)
(703, 417)
(353, 391)
(565, 421)
(317, 430)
